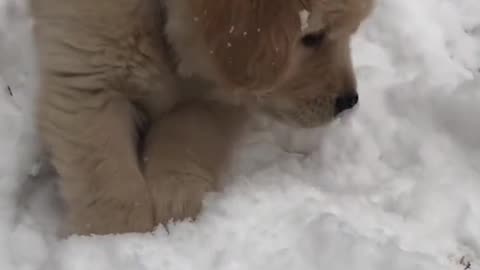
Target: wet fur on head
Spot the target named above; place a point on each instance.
(249, 44)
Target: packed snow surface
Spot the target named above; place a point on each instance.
(394, 185)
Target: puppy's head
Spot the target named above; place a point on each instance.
(290, 58)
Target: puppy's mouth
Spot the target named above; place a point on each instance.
(296, 120)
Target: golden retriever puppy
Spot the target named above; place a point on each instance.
(183, 72)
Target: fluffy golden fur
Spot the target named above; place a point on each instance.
(183, 72)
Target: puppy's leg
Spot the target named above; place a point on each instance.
(91, 136)
(185, 153)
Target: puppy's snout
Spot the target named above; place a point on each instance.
(345, 102)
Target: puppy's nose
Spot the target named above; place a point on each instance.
(345, 102)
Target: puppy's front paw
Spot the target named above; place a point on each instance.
(122, 212)
(178, 196)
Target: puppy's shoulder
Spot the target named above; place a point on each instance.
(107, 17)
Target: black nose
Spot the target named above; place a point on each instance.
(345, 102)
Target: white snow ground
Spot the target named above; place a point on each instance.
(396, 185)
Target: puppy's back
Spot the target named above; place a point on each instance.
(82, 37)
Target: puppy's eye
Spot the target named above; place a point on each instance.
(313, 40)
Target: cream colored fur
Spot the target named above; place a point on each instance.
(184, 72)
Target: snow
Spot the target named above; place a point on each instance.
(394, 185)
(304, 16)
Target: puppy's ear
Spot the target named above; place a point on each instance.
(249, 40)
